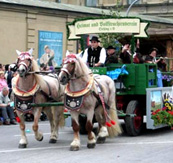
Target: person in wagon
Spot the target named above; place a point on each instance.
(112, 56)
(95, 55)
(47, 59)
(5, 108)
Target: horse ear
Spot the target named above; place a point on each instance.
(18, 52)
(80, 54)
(67, 53)
(30, 51)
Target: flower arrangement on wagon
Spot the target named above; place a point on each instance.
(164, 115)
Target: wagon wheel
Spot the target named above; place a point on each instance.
(134, 124)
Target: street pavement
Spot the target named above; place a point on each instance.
(154, 146)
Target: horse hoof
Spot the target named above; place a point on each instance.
(52, 141)
(41, 139)
(22, 145)
(73, 148)
(101, 140)
(91, 145)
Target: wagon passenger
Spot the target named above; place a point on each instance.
(125, 54)
(112, 56)
(95, 55)
(151, 58)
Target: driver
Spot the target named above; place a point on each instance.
(95, 55)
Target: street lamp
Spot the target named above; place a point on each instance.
(127, 12)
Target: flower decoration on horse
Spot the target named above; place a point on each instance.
(165, 114)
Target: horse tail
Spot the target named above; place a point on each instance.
(114, 130)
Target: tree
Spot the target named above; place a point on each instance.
(108, 39)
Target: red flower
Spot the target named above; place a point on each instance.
(164, 108)
(170, 112)
(153, 113)
(158, 110)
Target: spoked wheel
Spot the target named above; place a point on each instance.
(134, 124)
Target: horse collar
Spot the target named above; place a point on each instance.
(81, 92)
(17, 91)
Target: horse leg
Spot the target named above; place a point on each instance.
(49, 113)
(58, 116)
(89, 126)
(23, 141)
(75, 145)
(103, 131)
(38, 135)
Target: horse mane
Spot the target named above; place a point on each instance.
(82, 67)
(39, 78)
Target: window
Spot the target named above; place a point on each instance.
(130, 2)
(91, 3)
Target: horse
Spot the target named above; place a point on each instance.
(29, 87)
(90, 95)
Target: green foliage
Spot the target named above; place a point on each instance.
(108, 39)
(164, 115)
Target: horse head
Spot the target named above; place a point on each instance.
(68, 68)
(24, 62)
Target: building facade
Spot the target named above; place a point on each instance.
(21, 22)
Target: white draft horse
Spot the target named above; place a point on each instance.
(82, 96)
(29, 88)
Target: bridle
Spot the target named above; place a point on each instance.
(71, 58)
(21, 61)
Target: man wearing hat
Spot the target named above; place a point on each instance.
(46, 60)
(111, 55)
(94, 56)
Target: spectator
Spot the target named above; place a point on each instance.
(1, 67)
(111, 55)
(6, 110)
(95, 55)
(3, 82)
(9, 76)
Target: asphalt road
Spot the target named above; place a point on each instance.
(152, 146)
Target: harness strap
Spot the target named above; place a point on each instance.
(65, 70)
(101, 100)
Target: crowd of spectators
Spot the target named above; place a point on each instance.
(6, 110)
